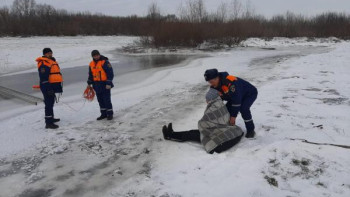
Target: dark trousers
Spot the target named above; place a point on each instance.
(194, 136)
(245, 111)
(104, 100)
(49, 101)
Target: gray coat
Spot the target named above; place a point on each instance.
(215, 126)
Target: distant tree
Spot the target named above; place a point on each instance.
(237, 9)
(193, 11)
(154, 11)
(222, 12)
(45, 10)
(249, 10)
(4, 19)
(171, 18)
(23, 7)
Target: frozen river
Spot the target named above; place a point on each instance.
(122, 64)
(75, 78)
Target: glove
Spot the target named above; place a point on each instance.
(51, 93)
(108, 87)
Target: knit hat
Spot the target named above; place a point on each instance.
(46, 50)
(95, 52)
(211, 74)
(211, 95)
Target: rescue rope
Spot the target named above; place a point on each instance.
(88, 95)
(322, 144)
(72, 108)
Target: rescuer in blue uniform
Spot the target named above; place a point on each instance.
(239, 94)
(50, 84)
(101, 78)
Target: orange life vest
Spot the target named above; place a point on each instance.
(98, 74)
(55, 71)
(226, 83)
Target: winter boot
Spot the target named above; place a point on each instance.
(250, 134)
(56, 120)
(51, 126)
(101, 117)
(166, 133)
(170, 127)
(110, 117)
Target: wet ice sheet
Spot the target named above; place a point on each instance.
(139, 67)
(122, 64)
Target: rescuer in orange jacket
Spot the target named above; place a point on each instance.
(239, 94)
(101, 78)
(50, 83)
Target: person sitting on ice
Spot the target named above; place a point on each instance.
(215, 131)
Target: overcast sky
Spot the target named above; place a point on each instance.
(139, 7)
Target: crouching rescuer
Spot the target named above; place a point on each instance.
(50, 84)
(101, 79)
(239, 94)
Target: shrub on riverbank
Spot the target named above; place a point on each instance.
(193, 27)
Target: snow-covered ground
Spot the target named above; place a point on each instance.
(303, 93)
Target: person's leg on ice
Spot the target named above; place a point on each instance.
(101, 102)
(183, 136)
(49, 100)
(108, 104)
(247, 116)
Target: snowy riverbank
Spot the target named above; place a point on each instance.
(19, 54)
(303, 93)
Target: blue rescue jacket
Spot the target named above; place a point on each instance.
(234, 90)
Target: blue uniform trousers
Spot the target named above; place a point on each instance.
(49, 101)
(104, 100)
(247, 102)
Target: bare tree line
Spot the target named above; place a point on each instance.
(231, 23)
(195, 11)
(234, 21)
